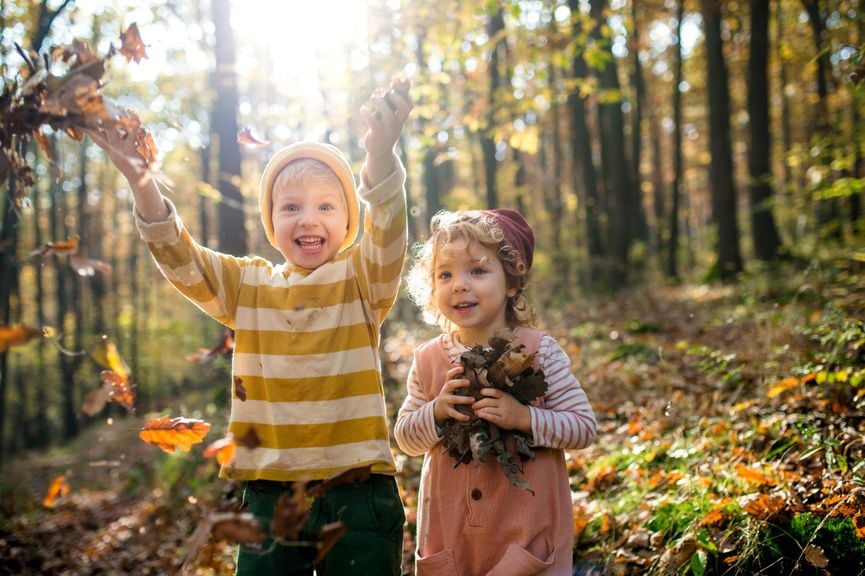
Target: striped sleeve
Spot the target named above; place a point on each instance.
(415, 429)
(383, 244)
(208, 279)
(566, 420)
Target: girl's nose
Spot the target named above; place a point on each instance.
(460, 284)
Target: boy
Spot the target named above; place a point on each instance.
(306, 371)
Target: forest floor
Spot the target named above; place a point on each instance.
(730, 441)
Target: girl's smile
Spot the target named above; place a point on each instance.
(471, 290)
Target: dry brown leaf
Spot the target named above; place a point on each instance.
(291, 513)
(330, 534)
(132, 47)
(69, 246)
(121, 390)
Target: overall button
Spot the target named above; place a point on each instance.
(477, 494)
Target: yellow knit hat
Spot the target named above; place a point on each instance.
(334, 160)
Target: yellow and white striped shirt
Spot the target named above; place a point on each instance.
(306, 368)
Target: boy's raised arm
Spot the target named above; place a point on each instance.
(384, 114)
(121, 150)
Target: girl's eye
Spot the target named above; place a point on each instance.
(326, 207)
(443, 275)
(479, 270)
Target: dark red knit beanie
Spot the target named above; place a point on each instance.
(518, 233)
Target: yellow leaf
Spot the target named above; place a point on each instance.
(783, 386)
(106, 355)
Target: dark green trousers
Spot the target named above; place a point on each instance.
(372, 546)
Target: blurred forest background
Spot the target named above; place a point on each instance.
(663, 150)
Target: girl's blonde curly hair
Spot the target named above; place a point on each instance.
(477, 229)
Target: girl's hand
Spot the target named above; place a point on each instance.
(503, 410)
(384, 114)
(447, 400)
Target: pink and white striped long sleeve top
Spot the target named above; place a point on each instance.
(562, 419)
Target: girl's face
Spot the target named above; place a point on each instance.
(309, 222)
(470, 290)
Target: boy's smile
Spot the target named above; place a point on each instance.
(309, 222)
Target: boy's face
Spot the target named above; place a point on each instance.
(310, 221)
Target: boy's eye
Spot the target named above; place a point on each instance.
(479, 270)
(290, 208)
(443, 275)
(326, 207)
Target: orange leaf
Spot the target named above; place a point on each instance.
(859, 524)
(291, 513)
(245, 137)
(753, 476)
(174, 433)
(69, 246)
(763, 506)
(783, 386)
(223, 348)
(121, 390)
(223, 449)
(132, 47)
(59, 487)
(16, 336)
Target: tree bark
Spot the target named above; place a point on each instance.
(724, 209)
(581, 149)
(675, 193)
(232, 228)
(767, 241)
(495, 29)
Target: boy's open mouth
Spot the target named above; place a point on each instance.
(310, 242)
(464, 305)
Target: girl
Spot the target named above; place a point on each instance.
(471, 275)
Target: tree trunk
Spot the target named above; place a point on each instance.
(637, 130)
(624, 204)
(581, 148)
(232, 228)
(729, 262)
(675, 193)
(767, 242)
(495, 29)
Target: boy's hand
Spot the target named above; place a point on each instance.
(446, 402)
(124, 152)
(503, 410)
(384, 114)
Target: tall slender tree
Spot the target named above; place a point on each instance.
(767, 241)
(233, 238)
(675, 193)
(724, 210)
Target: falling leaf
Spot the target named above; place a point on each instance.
(121, 390)
(69, 246)
(349, 476)
(291, 513)
(224, 347)
(245, 137)
(241, 528)
(86, 267)
(329, 535)
(224, 449)
(96, 400)
(174, 433)
(106, 355)
(16, 336)
(132, 47)
(59, 487)
(239, 390)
